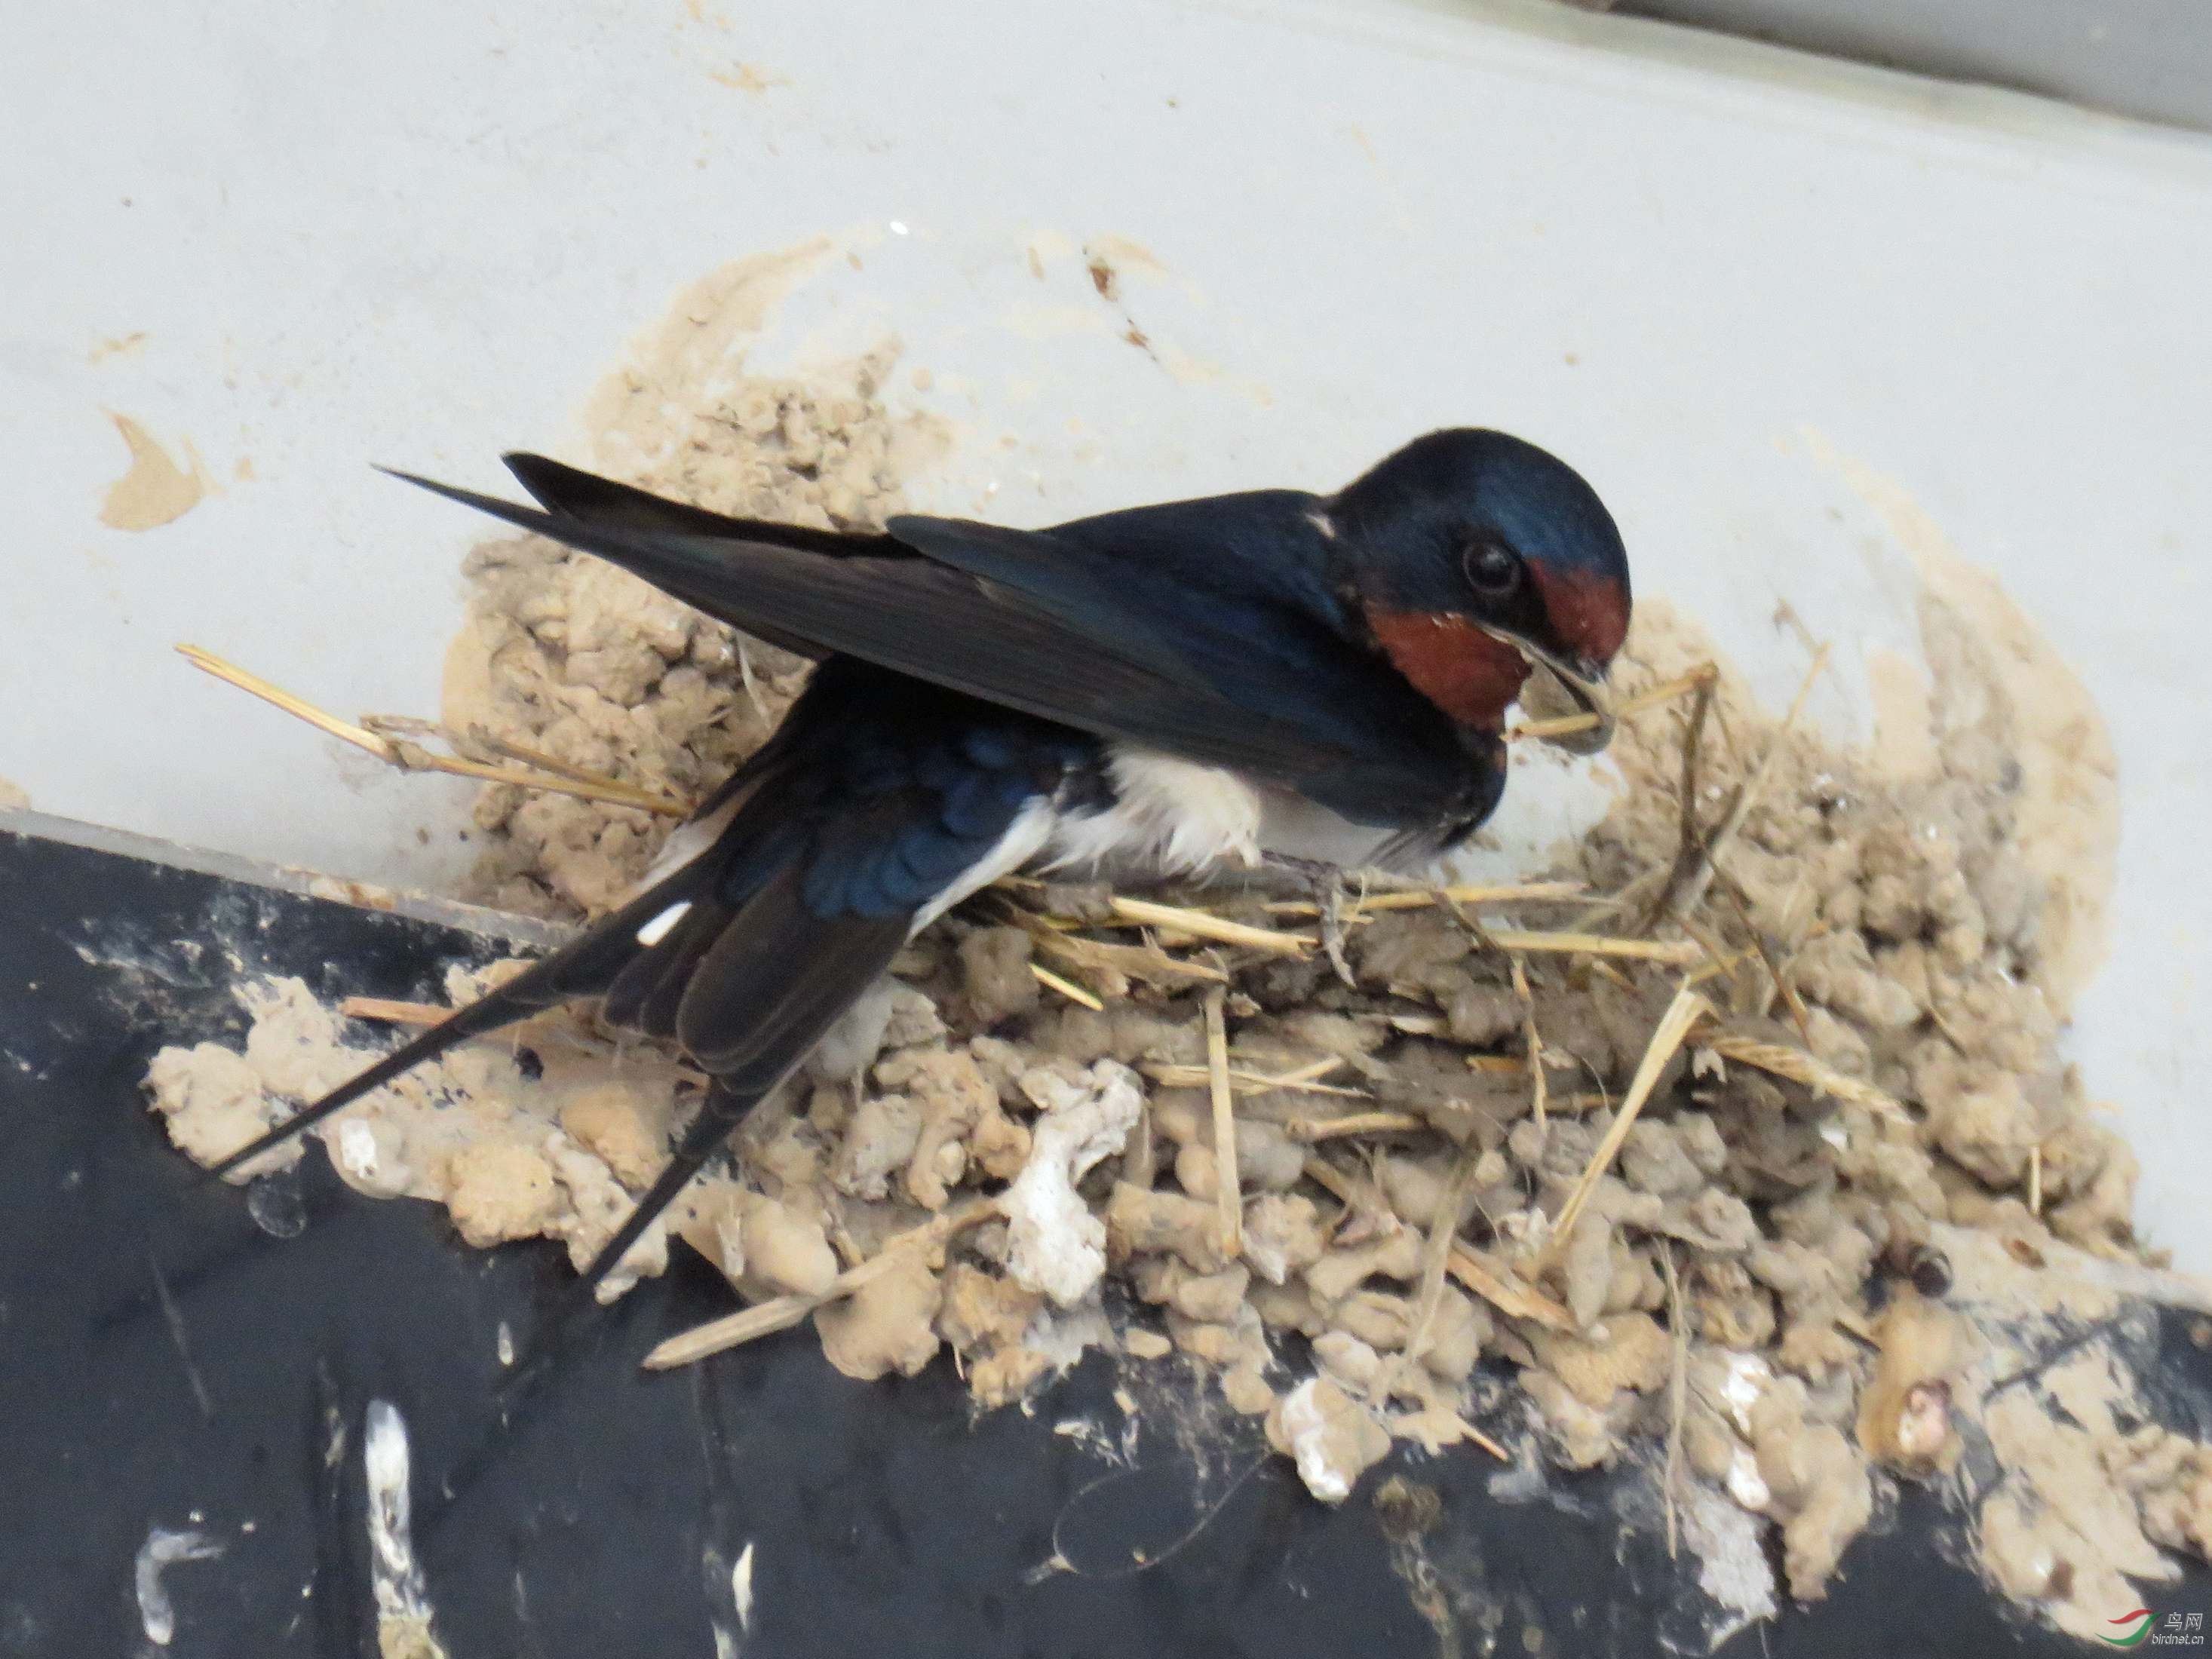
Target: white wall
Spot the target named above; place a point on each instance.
(417, 232)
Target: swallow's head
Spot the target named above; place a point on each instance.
(1477, 559)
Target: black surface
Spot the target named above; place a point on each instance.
(883, 1518)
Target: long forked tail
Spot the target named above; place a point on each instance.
(485, 1015)
(719, 1113)
(560, 1321)
(585, 967)
(757, 999)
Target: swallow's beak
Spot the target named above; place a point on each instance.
(1559, 682)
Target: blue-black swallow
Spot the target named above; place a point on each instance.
(1172, 687)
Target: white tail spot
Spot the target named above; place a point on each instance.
(741, 1588)
(659, 927)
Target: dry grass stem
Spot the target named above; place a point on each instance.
(1535, 1038)
(1146, 961)
(1494, 1283)
(1567, 725)
(782, 1312)
(413, 757)
(1674, 1026)
(1436, 1257)
(1675, 952)
(1140, 1162)
(1303, 1081)
(1470, 1433)
(1226, 1196)
(389, 1012)
(1146, 912)
(1067, 988)
(1332, 1180)
(1686, 890)
(1798, 1067)
(1503, 1290)
(1422, 898)
(1798, 1015)
(1678, 1387)
(1312, 1129)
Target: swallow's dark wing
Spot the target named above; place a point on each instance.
(1231, 595)
(1204, 629)
(877, 798)
(589, 499)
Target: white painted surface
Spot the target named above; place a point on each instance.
(417, 233)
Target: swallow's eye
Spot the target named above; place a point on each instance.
(1492, 571)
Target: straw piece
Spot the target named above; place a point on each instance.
(1533, 1038)
(538, 758)
(1310, 1129)
(1325, 1174)
(780, 1313)
(1312, 1070)
(1799, 1016)
(393, 1013)
(1424, 897)
(1067, 988)
(208, 662)
(413, 757)
(1469, 1431)
(1686, 890)
(1799, 1067)
(1226, 1196)
(1495, 1283)
(1675, 952)
(1198, 925)
(477, 736)
(1435, 1256)
(1131, 961)
(1684, 1013)
(1678, 1388)
(1719, 969)
(1503, 1290)
(1357, 1196)
(1567, 725)
(1173, 1076)
(1141, 1162)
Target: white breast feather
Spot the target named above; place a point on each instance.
(1174, 816)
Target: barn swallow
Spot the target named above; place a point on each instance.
(1156, 687)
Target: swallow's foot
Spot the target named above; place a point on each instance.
(1326, 883)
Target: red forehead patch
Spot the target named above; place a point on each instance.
(1471, 676)
(1588, 614)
